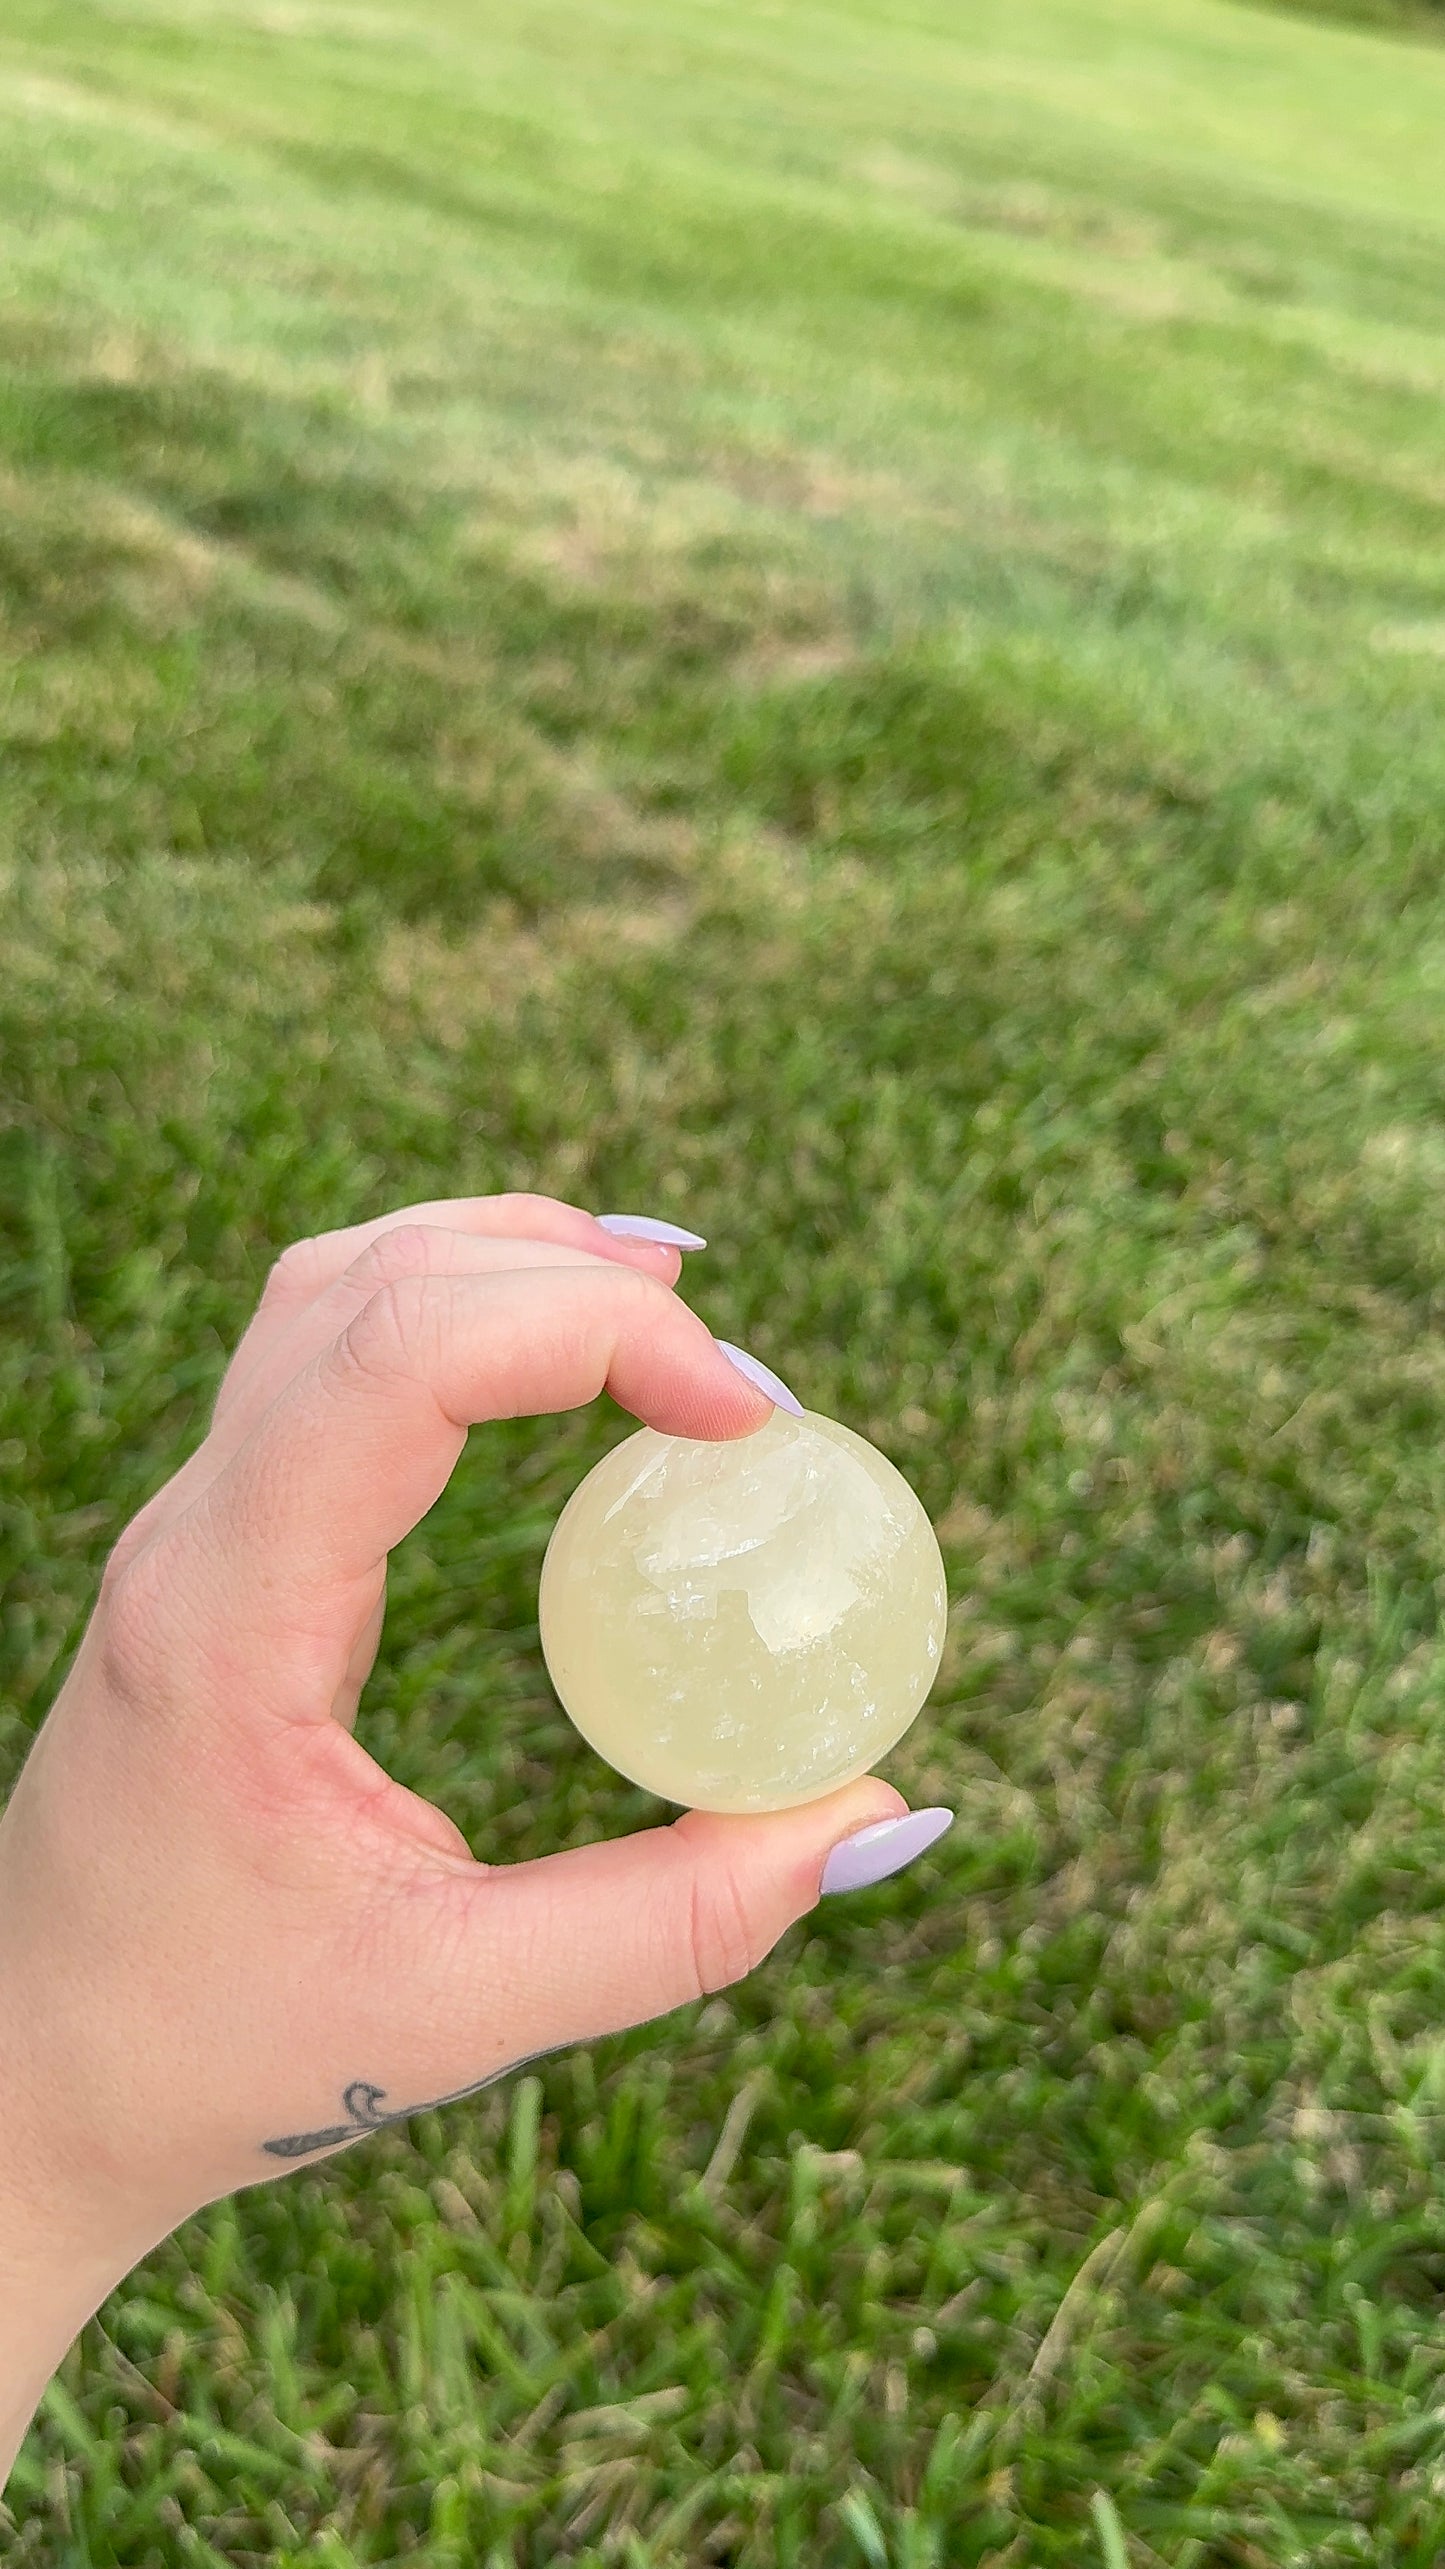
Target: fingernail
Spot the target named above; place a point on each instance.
(641, 1226)
(885, 1848)
(755, 1371)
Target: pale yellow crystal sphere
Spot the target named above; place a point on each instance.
(743, 1626)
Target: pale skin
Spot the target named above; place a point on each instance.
(229, 1942)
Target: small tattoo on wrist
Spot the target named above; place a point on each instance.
(366, 2111)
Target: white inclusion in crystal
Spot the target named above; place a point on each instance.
(789, 1609)
(792, 1611)
(652, 1467)
(786, 1617)
(694, 1533)
(687, 1602)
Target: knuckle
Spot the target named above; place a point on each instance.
(629, 1284)
(392, 1333)
(518, 1211)
(407, 1250)
(724, 1939)
(137, 1591)
(293, 1274)
(118, 1560)
(669, 1321)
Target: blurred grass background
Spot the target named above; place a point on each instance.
(1419, 20)
(826, 619)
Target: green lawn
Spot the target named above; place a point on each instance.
(827, 619)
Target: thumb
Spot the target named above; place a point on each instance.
(510, 1961)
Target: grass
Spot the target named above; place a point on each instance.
(827, 620)
(1413, 19)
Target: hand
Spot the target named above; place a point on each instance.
(228, 1941)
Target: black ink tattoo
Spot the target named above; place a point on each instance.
(363, 2103)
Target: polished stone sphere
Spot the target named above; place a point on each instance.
(745, 1625)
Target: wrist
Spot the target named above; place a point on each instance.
(71, 2192)
(49, 2287)
(65, 2239)
(56, 2268)
(63, 2214)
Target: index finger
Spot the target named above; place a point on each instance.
(364, 1440)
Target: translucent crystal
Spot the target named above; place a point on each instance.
(743, 1626)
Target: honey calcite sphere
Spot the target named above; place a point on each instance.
(743, 1626)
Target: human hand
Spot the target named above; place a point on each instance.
(228, 1940)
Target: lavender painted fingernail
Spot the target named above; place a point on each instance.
(642, 1226)
(885, 1848)
(755, 1371)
